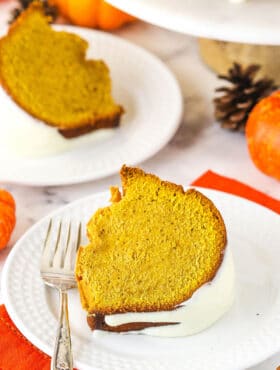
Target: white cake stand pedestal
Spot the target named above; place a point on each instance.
(246, 32)
(251, 21)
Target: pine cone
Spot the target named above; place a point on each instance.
(233, 107)
(24, 4)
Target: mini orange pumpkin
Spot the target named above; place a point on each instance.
(92, 13)
(263, 135)
(7, 217)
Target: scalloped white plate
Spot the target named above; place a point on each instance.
(152, 100)
(251, 21)
(246, 335)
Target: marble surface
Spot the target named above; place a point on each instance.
(199, 144)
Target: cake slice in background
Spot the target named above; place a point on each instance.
(157, 260)
(47, 74)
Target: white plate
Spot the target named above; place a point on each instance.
(246, 335)
(153, 103)
(254, 21)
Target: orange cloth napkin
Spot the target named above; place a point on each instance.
(214, 181)
(16, 352)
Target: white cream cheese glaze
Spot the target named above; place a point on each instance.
(206, 306)
(23, 136)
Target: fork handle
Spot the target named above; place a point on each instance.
(62, 358)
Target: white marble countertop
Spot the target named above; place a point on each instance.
(199, 144)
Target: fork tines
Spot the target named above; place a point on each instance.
(61, 244)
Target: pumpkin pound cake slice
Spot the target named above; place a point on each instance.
(157, 260)
(47, 74)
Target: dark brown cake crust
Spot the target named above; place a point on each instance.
(97, 322)
(114, 121)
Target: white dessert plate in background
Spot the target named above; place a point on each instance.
(246, 335)
(251, 21)
(142, 84)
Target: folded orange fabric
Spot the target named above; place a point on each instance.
(17, 353)
(214, 181)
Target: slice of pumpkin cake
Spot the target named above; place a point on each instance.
(157, 260)
(46, 72)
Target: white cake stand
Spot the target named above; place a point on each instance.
(252, 21)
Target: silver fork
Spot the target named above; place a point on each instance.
(57, 271)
